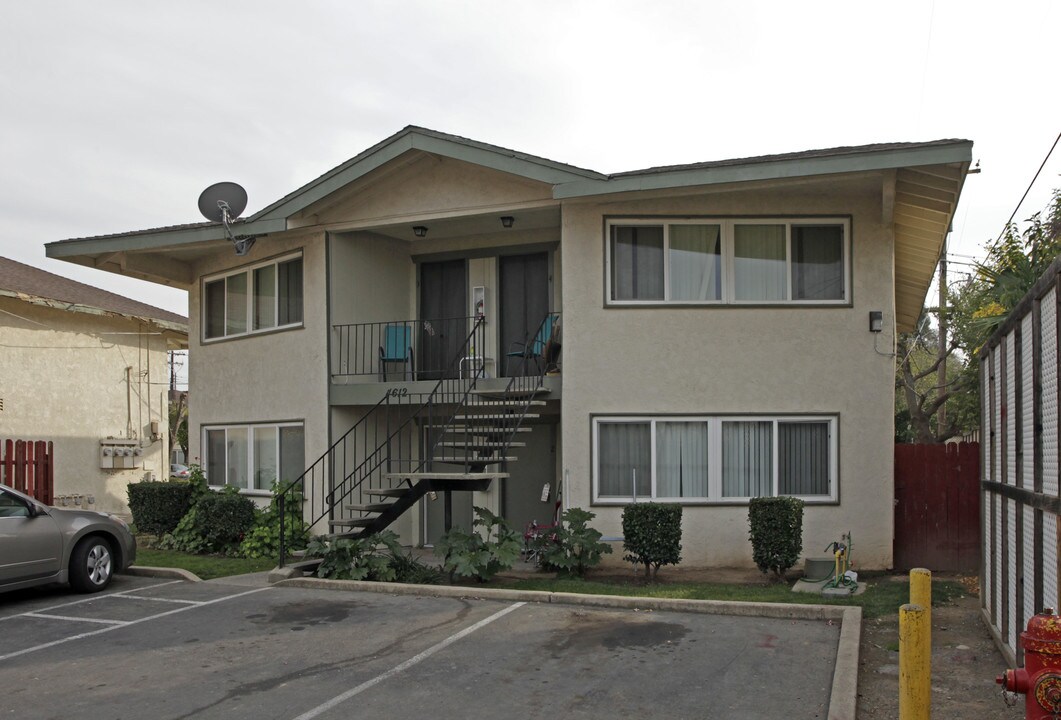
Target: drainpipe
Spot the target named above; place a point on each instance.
(129, 402)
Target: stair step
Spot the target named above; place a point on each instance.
(388, 492)
(475, 460)
(511, 393)
(465, 418)
(480, 444)
(445, 476)
(472, 430)
(352, 522)
(504, 403)
(369, 507)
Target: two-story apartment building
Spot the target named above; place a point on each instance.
(438, 322)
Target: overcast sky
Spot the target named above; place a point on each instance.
(116, 115)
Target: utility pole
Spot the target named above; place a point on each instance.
(941, 374)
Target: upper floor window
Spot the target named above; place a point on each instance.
(260, 297)
(750, 261)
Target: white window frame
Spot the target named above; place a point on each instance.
(249, 428)
(714, 422)
(728, 290)
(249, 271)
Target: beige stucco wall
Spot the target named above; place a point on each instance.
(63, 378)
(267, 377)
(717, 360)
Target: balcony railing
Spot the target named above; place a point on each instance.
(407, 349)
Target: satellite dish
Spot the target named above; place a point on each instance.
(223, 202)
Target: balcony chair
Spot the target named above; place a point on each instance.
(542, 347)
(397, 348)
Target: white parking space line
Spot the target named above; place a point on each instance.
(155, 599)
(76, 619)
(90, 598)
(338, 699)
(80, 636)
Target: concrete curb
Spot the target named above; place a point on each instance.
(843, 698)
(175, 573)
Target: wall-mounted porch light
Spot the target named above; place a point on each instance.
(420, 231)
(876, 321)
(507, 220)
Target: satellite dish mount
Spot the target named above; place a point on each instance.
(223, 202)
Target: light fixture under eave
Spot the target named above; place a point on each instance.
(420, 231)
(223, 202)
(507, 221)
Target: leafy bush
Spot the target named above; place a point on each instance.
(377, 557)
(157, 507)
(776, 532)
(216, 523)
(652, 535)
(480, 556)
(263, 540)
(572, 547)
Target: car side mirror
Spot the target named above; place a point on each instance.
(36, 510)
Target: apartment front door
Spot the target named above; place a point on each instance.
(443, 309)
(524, 302)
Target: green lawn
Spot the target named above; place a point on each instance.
(883, 596)
(205, 566)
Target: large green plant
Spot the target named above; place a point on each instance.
(157, 507)
(776, 532)
(480, 555)
(216, 522)
(377, 557)
(572, 547)
(263, 540)
(652, 535)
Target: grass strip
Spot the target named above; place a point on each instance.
(207, 567)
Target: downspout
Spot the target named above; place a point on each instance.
(128, 402)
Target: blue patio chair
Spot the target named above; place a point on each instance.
(538, 348)
(397, 347)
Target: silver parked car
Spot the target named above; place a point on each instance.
(40, 545)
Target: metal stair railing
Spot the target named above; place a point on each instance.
(340, 460)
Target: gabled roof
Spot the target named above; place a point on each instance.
(32, 284)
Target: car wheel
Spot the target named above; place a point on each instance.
(91, 565)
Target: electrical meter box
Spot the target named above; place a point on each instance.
(119, 454)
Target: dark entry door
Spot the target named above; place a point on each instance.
(443, 309)
(524, 302)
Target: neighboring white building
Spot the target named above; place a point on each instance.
(711, 324)
(86, 369)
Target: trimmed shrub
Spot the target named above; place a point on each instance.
(157, 507)
(776, 532)
(216, 523)
(652, 535)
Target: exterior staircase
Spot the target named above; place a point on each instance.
(377, 471)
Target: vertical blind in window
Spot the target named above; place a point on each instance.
(817, 262)
(261, 298)
(292, 452)
(803, 458)
(265, 460)
(289, 293)
(237, 474)
(214, 299)
(265, 297)
(236, 304)
(254, 456)
(747, 459)
(637, 263)
(695, 261)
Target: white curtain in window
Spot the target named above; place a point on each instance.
(623, 448)
(265, 449)
(817, 262)
(681, 459)
(236, 470)
(803, 458)
(759, 262)
(637, 262)
(694, 258)
(747, 450)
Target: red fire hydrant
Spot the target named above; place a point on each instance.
(1040, 678)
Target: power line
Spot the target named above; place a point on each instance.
(1025, 195)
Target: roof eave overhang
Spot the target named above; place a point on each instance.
(158, 239)
(178, 329)
(770, 170)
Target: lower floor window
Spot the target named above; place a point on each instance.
(714, 458)
(253, 457)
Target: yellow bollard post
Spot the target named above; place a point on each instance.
(921, 594)
(915, 702)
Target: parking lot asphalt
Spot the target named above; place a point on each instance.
(155, 648)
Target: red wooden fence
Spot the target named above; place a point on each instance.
(29, 467)
(937, 507)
